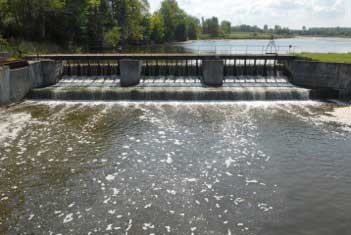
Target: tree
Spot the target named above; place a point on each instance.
(180, 33)
(157, 28)
(211, 27)
(129, 15)
(112, 37)
(193, 27)
(226, 27)
(265, 28)
(172, 17)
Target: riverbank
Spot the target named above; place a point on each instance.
(328, 57)
(246, 35)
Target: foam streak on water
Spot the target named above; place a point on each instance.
(174, 167)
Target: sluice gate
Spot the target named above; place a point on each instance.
(176, 67)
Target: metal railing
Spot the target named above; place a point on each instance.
(240, 49)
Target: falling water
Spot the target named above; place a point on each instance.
(173, 88)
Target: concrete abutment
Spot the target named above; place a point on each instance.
(16, 83)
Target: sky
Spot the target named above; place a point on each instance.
(288, 13)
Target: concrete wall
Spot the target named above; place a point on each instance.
(16, 83)
(4, 85)
(320, 75)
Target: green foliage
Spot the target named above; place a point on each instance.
(211, 27)
(172, 16)
(193, 26)
(328, 57)
(3, 42)
(157, 28)
(226, 27)
(177, 24)
(113, 37)
(92, 24)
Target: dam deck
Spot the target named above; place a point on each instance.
(182, 56)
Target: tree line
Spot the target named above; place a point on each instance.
(95, 24)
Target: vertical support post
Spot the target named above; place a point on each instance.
(130, 72)
(245, 67)
(176, 72)
(265, 68)
(147, 72)
(235, 73)
(255, 67)
(167, 68)
(69, 69)
(79, 69)
(99, 71)
(213, 72)
(118, 67)
(157, 72)
(109, 69)
(89, 69)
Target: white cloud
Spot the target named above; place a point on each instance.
(291, 13)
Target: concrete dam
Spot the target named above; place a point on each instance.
(168, 77)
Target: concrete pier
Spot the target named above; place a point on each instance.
(4, 85)
(213, 72)
(130, 72)
(16, 83)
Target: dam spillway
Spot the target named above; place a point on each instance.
(162, 89)
(167, 77)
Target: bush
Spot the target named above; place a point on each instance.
(3, 43)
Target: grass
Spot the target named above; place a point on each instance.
(328, 57)
(19, 48)
(244, 35)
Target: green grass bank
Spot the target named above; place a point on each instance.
(327, 57)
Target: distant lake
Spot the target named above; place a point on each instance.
(293, 45)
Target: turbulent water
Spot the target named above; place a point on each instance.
(175, 168)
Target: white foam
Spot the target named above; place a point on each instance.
(68, 218)
(110, 178)
(341, 115)
(11, 124)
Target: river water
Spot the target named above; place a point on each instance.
(267, 168)
(282, 46)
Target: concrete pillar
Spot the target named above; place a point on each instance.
(4, 85)
(213, 72)
(20, 84)
(51, 72)
(130, 72)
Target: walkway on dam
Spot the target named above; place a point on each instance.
(164, 56)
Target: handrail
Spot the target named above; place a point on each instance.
(160, 56)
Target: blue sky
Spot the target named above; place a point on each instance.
(291, 13)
